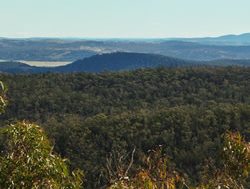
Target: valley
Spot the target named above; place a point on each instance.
(89, 115)
(124, 94)
(69, 50)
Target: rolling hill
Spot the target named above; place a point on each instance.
(99, 63)
(120, 61)
(202, 49)
(18, 67)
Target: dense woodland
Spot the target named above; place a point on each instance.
(93, 117)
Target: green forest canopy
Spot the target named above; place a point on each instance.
(89, 116)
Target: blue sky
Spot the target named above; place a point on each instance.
(123, 18)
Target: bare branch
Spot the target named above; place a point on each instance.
(130, 163)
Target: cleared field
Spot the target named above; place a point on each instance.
(45, 64)
(41, 63)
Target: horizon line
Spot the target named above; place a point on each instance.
(119, 38)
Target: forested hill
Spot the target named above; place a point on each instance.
(122, 61)
(18, 67)
(119, 61)
(90, 116)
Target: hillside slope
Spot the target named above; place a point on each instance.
(100, 63)
(90, 116)
(18, 67)
(121, 61)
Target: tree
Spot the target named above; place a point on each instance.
(156, 174)
(235, 167)
(28, 161)
(232, 174)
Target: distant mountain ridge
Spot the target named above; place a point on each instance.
(69, 50)
(120, 61)
(228, 40)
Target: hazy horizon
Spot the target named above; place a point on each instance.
(121, 38)
(123, 19)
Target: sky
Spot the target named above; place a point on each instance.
(123, 18)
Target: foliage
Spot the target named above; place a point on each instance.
(235, 168)
(158, 173)
(34, 97)
(28, 161)
(88, 116)
(236, 156)
(232, 174)
(155, 174)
